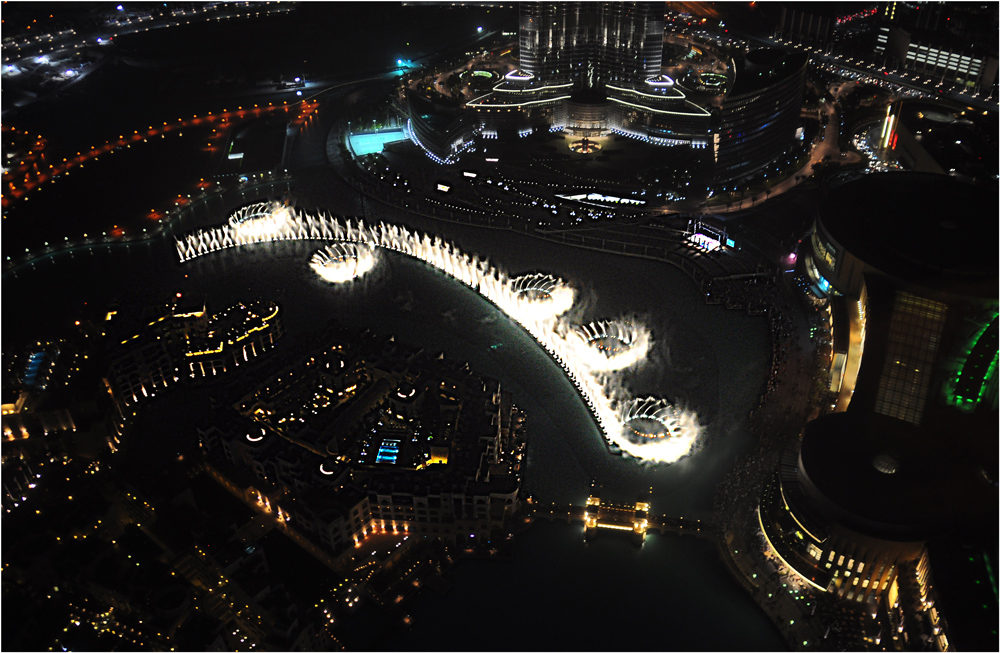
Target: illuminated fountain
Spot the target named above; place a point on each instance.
(589, 355)
(610, 344)
(342, 262)
(542, 294)
(654, 426)
(259, 221)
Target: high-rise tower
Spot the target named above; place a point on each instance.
(591, 43)
(592, 69)
(760, 113)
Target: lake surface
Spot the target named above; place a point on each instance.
(558, 592)
(711, 360)
(563, 593)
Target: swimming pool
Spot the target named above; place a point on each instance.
(362, 144)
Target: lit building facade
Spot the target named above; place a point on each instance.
(147, 360)
(592, 69)
(808, 516)
(591, 43)
(918, 295)
(366, 436)
(955, 43)
(850, 511)
(971, 71)
(441, 129)
(904, 460)
(760, 112)
(820, 25)
(232, 337)
(179, 344)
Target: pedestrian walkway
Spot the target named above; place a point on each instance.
(825, 148)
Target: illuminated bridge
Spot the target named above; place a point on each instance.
(631, 518)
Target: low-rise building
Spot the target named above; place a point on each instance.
(365, 436)
(172, 342)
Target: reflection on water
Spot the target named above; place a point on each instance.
(559, 592)
(703, 356)
(607, 594)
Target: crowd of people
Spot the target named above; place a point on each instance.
(754, 294)
(783, 339)
(779, 417)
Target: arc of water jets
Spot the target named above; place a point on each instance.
(537, 302)
(342, 262)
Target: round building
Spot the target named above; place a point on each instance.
(913, 289)
(853, 503)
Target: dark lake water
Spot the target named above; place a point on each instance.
(563, 593)
(558, 592)
(709, 359)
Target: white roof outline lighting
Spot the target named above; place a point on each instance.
(518, 104)
(535, 89)
(518, 75)
(675, 113)
(597, 198)
(680, 94)
(660, 81)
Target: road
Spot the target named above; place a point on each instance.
(876, 76)
(56, 44)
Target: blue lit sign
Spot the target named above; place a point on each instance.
(388, 451)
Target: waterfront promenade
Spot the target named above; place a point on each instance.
(794, 396)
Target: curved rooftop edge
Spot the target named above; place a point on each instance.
(928, 230)
(889, 479)
(764, 67)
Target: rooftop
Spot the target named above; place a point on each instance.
(957, 138)
(923, 229)
(764, 67)
(887, 478)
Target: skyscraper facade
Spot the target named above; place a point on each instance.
(592, 69)
(760, 113)
(591, 43)
(919, 296)
(901, 479)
